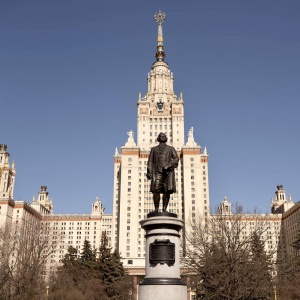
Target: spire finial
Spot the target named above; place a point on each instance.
(160, 54)
(159, 18)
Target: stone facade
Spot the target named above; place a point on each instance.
(67, 230)
(159, 110)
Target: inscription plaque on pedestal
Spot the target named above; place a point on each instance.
(162, 251)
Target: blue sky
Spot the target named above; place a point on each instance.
(71, 71)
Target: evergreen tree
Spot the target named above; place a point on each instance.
(87, 256)
(70, 256)
(112, 272)
(78, 278)
(104, 251)
(89, 277)
(262, 280)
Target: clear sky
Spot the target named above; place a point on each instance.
(71, 71)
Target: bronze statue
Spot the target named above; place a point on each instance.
(163, 159)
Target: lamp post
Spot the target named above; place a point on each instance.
(275, 293)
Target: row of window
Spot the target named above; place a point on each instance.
(71, 223)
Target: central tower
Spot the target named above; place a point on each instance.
(159, 110)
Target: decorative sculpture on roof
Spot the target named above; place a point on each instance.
(191, 133)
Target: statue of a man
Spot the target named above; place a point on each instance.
(160, 169)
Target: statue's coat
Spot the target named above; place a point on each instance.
(160, 158)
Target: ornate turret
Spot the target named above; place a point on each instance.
(225, 207)
(3, 147)
(97, 208)
(279, 203)
(7, 174)
(44, 199)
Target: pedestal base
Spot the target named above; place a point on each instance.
(162, 273)
(162, 292)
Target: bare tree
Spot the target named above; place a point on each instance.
(24, 249)
(227, 260)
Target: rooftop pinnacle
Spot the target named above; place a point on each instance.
(160, 53)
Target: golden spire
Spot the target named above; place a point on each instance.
(160, 54)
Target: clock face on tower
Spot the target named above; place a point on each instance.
(160, 105)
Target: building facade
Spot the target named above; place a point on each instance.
(64, 230)
(159, 110)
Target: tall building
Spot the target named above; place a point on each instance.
(7, 182)
(159, 110)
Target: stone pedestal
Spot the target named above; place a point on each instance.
(162, 273)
